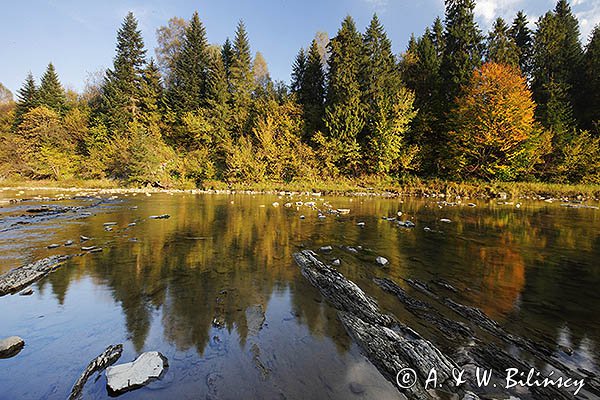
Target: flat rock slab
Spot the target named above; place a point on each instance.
(18, 278)
(147, 367)
(11, 346)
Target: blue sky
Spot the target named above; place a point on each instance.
(79, 36)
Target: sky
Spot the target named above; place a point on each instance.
(78, 37)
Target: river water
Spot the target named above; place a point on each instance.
(215, 289)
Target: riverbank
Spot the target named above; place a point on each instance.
(414, 187)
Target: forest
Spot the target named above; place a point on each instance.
(515, 104)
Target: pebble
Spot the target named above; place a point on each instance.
(381, 261)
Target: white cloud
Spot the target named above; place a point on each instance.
(378, 5)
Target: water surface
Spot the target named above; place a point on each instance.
(215, 289)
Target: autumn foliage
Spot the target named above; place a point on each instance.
(493, 125)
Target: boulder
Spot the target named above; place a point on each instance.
(147, 367)
(11, 346)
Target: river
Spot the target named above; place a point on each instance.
(216, 290)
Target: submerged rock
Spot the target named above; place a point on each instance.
(11, 346)
(98, 364)
(445, 220)
(147, 367)
(83, 238)
(53, 245)
(26, 292)
(326, 249)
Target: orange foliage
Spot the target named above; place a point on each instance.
(493, 121)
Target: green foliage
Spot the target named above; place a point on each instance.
(557, 63)
(592, 82)
(344, 113)
(122, 90)
(207, 112)
(580, 160)
(188, 91)
(462, 47)
(521, 35)
(27, 99)
(51, 93)
(501, 47)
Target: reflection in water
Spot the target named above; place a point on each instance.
(215, 288)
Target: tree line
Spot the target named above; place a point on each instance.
(515, 104)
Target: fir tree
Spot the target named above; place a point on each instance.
(462, 49)
(521, 35)
(122, 89)
(27, 99)
(501, 48)
(344, 115)
(191, 69)
(51, 92)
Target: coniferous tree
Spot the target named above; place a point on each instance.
(227, 59)
(437, 36)
(152, 92)
(557, 67)
(189, 78)
(501, 48)
(241, 80)
(592, 80)
(462, 47)
(51, 92)
(313, 91)
(344, 114)
(122, 90)
(388, 108)
(421, 73)
(298, 70)
(521, 35)
(27, 99)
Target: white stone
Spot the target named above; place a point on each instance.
(123, 377)
(381, 260)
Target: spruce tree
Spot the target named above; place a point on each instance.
(557, 64)
(344, 114)
(501, 48)
(51, 92)
(152, 92)
(27, 99)
(227, 59)
(189, 78)
(241, 79)
(313, 90)
(421, 73)
(592, 78)
(382, 92)
(262, 78)
(521, 35)
(462, 49)
(437, 36)
(122, 90)
(298, 70)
